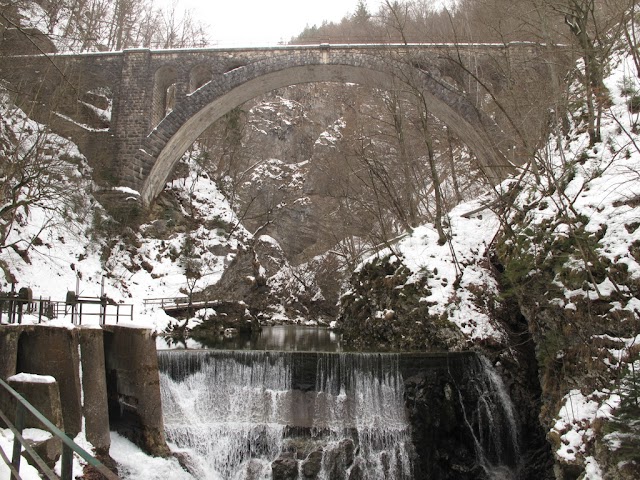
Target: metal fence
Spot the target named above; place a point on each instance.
(13, 308)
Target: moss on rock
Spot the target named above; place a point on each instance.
(386, 310)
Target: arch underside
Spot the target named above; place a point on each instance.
(213, 100)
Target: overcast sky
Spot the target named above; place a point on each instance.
(253, 22)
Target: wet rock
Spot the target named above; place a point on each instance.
(254, 470)
(300, 446)
(385, 461)
(186, 461)
(338, 459)
(284, 468)
(444, 448)
(347, 447)
(357, 471)
(312, 464)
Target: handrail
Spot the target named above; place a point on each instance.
(17, 436)
(70, 444)
(180, 303)
(162, 301)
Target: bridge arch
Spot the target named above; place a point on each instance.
(180, 128)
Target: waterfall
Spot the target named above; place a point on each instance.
(231, 414)
(361, 397)
(224, 410)
(492, 423)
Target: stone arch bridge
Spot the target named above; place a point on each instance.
(135, 113)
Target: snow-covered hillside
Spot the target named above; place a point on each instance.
(567, 251)
(579, 221)
(62, 247)
(455, 282)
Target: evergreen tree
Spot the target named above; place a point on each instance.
(361, 15)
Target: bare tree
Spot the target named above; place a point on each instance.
(179, 29)
(32, 176)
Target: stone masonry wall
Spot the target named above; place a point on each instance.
(141, 147)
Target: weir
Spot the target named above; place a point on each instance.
(267, 414)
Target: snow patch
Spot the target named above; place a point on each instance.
(32, 378)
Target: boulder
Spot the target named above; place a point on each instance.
(312, 465)
(284, 467)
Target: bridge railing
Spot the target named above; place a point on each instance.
(68, 448)
(180, 304)
(166, 302)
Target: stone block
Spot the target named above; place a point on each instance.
(43, 393)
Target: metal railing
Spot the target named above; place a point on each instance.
(166, 301)
(105, 309)
(15, 308)
(172, 304)
(68, 447)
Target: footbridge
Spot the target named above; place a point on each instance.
(134, 113)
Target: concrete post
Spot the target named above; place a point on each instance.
(54, 351)
(94, 387)
(9, 337)
(133, 387)
(9, 350)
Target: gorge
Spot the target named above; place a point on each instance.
(366, 207)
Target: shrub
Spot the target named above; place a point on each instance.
(634, 104)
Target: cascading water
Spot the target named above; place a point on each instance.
(224, 412)
(234, 413)
(360, 396)
(492, 423)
